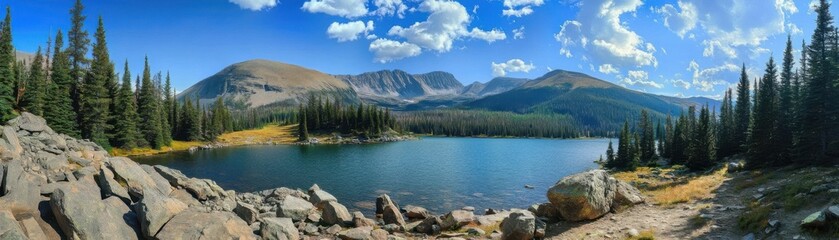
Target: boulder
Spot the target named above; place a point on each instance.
(378, 234)
(361, 233)
(247, 212)
(162, 184)
(456, 219)
(192, 224)
(359, 220)
(32, 229)
(415, 212)
(520, 225)
(382, 201)
(832, 212)
(9, 229)
(10, 136)
(51, 161)
(583, 196)
(197, 187)
(391, 215)
(547, 210)
(278, 229)
(335, 213)
(294, 208)
(815, 220)
(428, 225)
(30, 122)
(111, 187)
(134, 176)
(626, 195)
(155, 210)
(22, 189)
(320, 197)
(81, 213)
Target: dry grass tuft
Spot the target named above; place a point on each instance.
(145, 151)
(672, 191)
(270, 134)
(644, 235)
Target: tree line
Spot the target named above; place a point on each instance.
(84, 98)
(787, 118)
(467, 123)
(323, 115)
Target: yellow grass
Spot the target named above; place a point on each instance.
(270, 134)
(644, 235)
(668, 192)
(176, 146)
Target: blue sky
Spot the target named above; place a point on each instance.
(678, 48)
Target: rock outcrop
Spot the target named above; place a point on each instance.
(590, 195)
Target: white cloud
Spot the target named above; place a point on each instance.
(390, 8)
(371, 37)
(342, 8)
(732, 27)
(679, 22)
(518, 33)
(386, 50)
(681, 83)
(639, 77)
(599, 31)
(512, 65)
(706, 79)
(608, 69)
(255, 5)
(519, 8)
(447, 21)
(348, 31)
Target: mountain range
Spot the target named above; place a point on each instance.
(258, 83)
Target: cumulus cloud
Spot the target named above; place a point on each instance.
(706, 79)
(390, 8)
(447, 21)
(732, 26)
(341, 8)
(681, 83)
(348, 31)
(599, 31)
(512, 65)
(386, 50)
(639, 77)
(519, 8)
(518, 33)
(255, 5)
(608, 69)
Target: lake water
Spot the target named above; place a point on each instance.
(440, 174)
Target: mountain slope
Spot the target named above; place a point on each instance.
(501, 84)
(258, 83)
(398, 84)
(592, 102)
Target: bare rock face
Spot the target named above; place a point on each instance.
(456, 219)
(278, 229)
(9, 229)
(191, 224)
(294, 208)
(335, 213)
(155, 210)
(583, 196)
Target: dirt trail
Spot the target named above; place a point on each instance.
(715, 217)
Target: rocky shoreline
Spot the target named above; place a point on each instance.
(56, 187)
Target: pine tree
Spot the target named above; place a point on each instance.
(647, 144)
(77, 51)
(667, 151)
(815, 120)
(742, 111)
(35, 87)
(59, 112)
(167, 104)
(702, 148)
(125, 124)
(681, 138)
(763, 148)
(7, 68)
(302, 127)
(94, 94)
(610, 156)
(626, 151)
(148, 110)
(727, 145)
(785, 106)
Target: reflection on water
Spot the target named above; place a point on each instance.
(440, 174)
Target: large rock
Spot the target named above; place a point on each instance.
(456, 219)
(278, 229)
(162, 184)
(626, 194)
(9, 229)
(192, 224)
(335, 213)
(30, 122)
(10, 135)
(359, 220)
(51, 161)
(361, 233)
(33, 229)
(391, 215)
(382, 201)
(319, 197)
(247, 212)
(200, 188)
(294, 208)
(134, 176)
(520, 225)
(111, 187)
(415, 212)
(547, 210)
(21, 189)
(583, 196)
(83, 215)
(430, 226)
(815, 220)
(155, 209)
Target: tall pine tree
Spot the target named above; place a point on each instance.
(148, 109)
(94, 95)
(742, 111)
(125, 124)
(59, 111)
(816, 115)
(7, 68)
(35, 87)
(763, 142)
